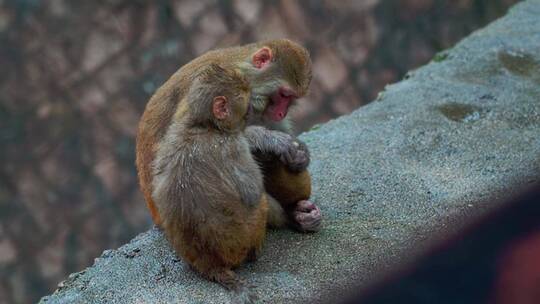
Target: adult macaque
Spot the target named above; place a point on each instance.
(279, 72)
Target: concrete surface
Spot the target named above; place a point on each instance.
(432, 152)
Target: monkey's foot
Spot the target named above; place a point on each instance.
(307, 216)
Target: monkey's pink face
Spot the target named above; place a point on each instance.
(279, 82)
(282, 98)
(280, 101)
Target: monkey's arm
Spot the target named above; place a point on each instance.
(249, 188)
(291, 151)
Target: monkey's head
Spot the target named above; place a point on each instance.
(219, 98)
(279, 72)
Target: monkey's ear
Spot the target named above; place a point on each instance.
(220, 107)
(262, 57)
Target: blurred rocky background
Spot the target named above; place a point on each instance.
(75, 77)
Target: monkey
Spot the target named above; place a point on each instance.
(279, 72)
(207, 187)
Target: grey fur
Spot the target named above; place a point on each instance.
(267, 144)
(202, 162)
(199, 169)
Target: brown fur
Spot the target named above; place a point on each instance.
(207, 187)
(285, 186)
(291, 65)
(226, 250)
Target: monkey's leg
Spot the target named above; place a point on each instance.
(292, 191)
(276, 215)
(258, 226)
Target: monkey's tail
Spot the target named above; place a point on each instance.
(241, 292)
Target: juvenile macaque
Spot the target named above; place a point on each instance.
(278, 72)
(208, 189)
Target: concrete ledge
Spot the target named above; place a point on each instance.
(431, 153)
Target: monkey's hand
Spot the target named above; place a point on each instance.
(291, 151)
(295, 156)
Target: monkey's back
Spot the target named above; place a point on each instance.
(209, 194)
